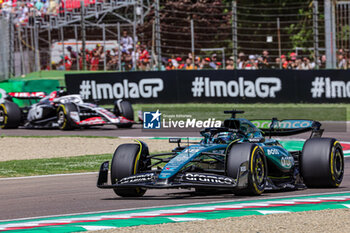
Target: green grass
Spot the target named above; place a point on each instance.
(320, 112)
(56, 136)
(55, 74)
(35, 167)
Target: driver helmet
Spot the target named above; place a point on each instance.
(243, 129)
(224, 137)
(61, 93)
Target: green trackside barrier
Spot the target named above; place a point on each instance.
(43, 85)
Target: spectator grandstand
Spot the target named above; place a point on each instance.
(141, 61)
(24, 11)
(135, 41)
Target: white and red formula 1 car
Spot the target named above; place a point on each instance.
(63, 111)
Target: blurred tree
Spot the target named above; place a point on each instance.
(212, 22)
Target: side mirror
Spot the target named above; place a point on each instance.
(175, 140)
(274, 123)
(256, 140)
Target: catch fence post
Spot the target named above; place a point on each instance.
(83, 37)
(234, 32)
(158, 39)
(315, 31)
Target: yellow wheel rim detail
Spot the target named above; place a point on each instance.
(65, 118)
(138, 190)
(257, 190)
(5, 115)
(334, 155)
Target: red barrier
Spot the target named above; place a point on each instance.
(73, 4)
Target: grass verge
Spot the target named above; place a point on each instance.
(36, 167)
(53, 74)
(55, 136)
(320, 112)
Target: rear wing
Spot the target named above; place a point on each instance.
(26, 95)
(288, 127)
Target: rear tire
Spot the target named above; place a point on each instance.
(125, 109)
(63, 119)
(257, 167)
(127, 161)
(322, 163)
(10, 115)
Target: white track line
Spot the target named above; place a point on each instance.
(178, 205)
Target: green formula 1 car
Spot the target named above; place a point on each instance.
(238, 157)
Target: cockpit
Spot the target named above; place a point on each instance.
(243, 125)
(227, 137)
(233, 129)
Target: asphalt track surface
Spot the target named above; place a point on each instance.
(57, 195)
(341, 132)
(106, 131)
(69, 194)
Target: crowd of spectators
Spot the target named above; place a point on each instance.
(140, 59)
(289, 61)
(24, 11)
(99, 57)
(250, 62)
(263, 61)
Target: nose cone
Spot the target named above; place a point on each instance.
(160, 181)
(168, 171)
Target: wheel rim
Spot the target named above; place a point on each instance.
(338, 165)
(2, 116)
(259, 171)
(61, 118)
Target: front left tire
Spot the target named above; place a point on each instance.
(257, 167)
(10, 115)
(64, 121)
(128, 160)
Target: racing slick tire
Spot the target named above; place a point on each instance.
(255, 159)
(65, 122)
(322, 163)
(128, 160)
(10, 115)
(124, 108)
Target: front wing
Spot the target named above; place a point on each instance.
(90, 115)
(150, 180)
